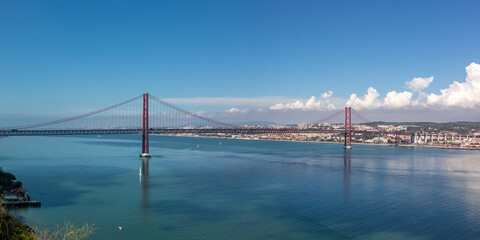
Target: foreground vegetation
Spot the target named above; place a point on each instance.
(66, 232)
(12, 228)
(8, 181)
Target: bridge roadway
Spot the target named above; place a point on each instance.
(58, 132)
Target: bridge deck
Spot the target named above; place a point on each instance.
(21, 132)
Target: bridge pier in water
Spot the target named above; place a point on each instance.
(145, 143)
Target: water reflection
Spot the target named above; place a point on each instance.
(347, 171)
(144, 182)
(244, 192)
(145, 164)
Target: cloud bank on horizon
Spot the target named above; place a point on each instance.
(414, 103)
(458, 94)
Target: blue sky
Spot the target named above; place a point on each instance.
(69, 56)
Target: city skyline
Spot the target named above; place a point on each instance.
(282, 60)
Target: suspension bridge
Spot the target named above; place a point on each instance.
(145, 114)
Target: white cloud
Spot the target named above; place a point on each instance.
(420, 100)
(397, 99)
(327, 94)
(278, 106)
(236, 110)
(295, 105)
(418, 83)
(232, 110)
(369, 100)
(311, 104)
(466, 94)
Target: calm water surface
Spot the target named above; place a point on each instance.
(239, 189)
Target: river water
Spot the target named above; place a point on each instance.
(205, 188)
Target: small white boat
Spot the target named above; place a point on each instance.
(140, 173)
(98, 136)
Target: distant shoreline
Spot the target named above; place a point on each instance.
(369, 144)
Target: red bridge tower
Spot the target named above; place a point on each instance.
(145, 153)
(348, 128)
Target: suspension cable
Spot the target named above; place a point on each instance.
(191, 114)
(74, 117)
(328, 117)
(357, 114)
